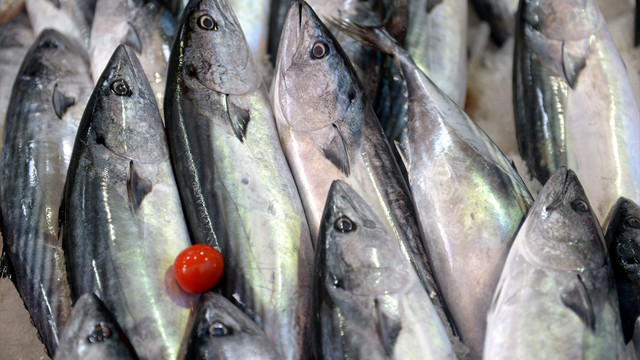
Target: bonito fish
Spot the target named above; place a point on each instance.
(92, 333)
(574, 103)
(238, 192)
(123, 222)
(369, 302)
(46, 105)
(556, 298)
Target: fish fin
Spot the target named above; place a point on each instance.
(56, 3)
(432, 4)
(132, 40)
(576, 297)
(404, 155)
(61, 102)
(574, 59)
(388, 329)
(238, 117)
(375, 37)
(336, 151)
(137, 187)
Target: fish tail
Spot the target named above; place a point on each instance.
(376, 37)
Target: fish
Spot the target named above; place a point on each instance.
(46, 105)
(468, 197)
(92, 333)
(574, 105)
(623, 240)
(222, 331)
(556, 297)
(144, 26)
(369, 301)
(16, 37)
(123, 224)
(501, 16)
(237, 189)
(70, 17)
(329, 132)
(253, 17)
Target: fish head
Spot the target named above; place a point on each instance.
(215, 52)
(355, 252)
(562, 20)
(124, 114)
(623, 239)
(315, 85)
(562, 231)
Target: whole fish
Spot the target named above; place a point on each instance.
(469, 199)
(46, 105)
(70, 17)
(142, 25)
(16, 37)
(623, 240)
(329, 132)
(501, 16)
(237, 189)
(123, 222)
(92, 333)
(369, 302)
(556, 298)
(222, 331)
(573, 100)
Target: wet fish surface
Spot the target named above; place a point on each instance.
(556, 297)
(123, 223)
(92, 333)
(237, 189)
(46, 105)
(369, 302)
(574, 104)
(222, 331)
(70, 17)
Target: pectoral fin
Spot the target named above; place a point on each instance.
(61, 102)
(388, 328)
(132, 40)
(137, 187)
(239, 118)
(574, 59)
(335, 151)
(575, 296)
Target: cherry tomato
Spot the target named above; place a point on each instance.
(198, 268)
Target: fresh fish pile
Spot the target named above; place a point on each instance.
(360, 211)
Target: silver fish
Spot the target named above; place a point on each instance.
(369, 302)
(574, 104)
(16, 37)
(222, 331)
(92, 333)
(329, 132)
(623, 240)
(238, 192)
(70, 17)
(254, 19)
(123, 223)
(556, 298)
(44, 112)
(143, 26)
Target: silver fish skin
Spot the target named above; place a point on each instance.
(70, 17)
(93, 333)
(237, 188)
(144, 26)
(254, 19)
(46, 105)
(501, 16)
(222, 331)
(123, 222)
(469, 199)
(329, 132)
(16, 37)
(574, 104)
(369, 302)
(623, 240)
(556, 298)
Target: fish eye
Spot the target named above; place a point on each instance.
(634, 223)
(319, 50)
(206, 22)
(100, 332)
(120, 88)
(344, 224)
(580, 205)
(49, 44)
(218, 329)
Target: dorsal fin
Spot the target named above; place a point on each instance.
(575, 296)
(137, 187)
(574, 59)
(131, 39)
(238, 117)
(61, 102)
(335, 150)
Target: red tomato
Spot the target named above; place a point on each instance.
(198, 268)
